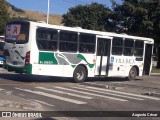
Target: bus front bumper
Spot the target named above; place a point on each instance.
(26, 69)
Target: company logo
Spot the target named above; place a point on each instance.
(6, 114)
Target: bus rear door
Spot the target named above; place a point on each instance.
(102, 55)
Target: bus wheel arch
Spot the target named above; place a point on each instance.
(80, 73)
(133, 73)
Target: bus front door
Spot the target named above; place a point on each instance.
(102, 56)
(147, 59)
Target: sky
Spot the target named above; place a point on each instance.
(56, 6)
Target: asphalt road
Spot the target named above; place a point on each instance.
(40, 93)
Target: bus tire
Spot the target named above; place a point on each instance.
(80, 74)
(132, 73)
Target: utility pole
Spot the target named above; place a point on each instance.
(48, 11)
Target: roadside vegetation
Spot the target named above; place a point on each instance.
(155, 70)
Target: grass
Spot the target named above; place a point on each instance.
(155, 70)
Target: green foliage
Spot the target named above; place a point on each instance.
(155, 70)
(133, 18)
(94, 16)
(4, 16)
(139, 17)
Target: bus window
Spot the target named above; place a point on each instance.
(87, 43)
(47, 39)
(17, 32)
(117, 46)
(128, 47)
(68, 41)
(66, 47)
(139, 46)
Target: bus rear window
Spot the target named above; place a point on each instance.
(17, 32)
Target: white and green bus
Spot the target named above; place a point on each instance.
(50, 50)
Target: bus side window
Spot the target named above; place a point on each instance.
(68, 41)
(128, 47)
(117, 46)
(52, 45)
(87, 43)
(63, 46)
(40, 46)
(47, 39)
(139, 46)
(83, 48)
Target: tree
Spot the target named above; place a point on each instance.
(133, 18)
(94, 16)
(139, 17)
(4, 16)
(154, 8)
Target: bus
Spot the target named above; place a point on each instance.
(1, 49)
(51, 50)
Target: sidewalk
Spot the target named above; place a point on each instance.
(142, 85)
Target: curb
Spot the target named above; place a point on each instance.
(115, 87)
(99, 85)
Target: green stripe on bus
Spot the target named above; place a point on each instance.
(24, 69)
(28, 69)
(83, 58)
(47, 58)
(73, 66)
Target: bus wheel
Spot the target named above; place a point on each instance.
(80, 74)
(132, 74)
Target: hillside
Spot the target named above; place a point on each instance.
(33, 15)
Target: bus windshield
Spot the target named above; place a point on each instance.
(17, 32)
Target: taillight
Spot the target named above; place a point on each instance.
(27, 58)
